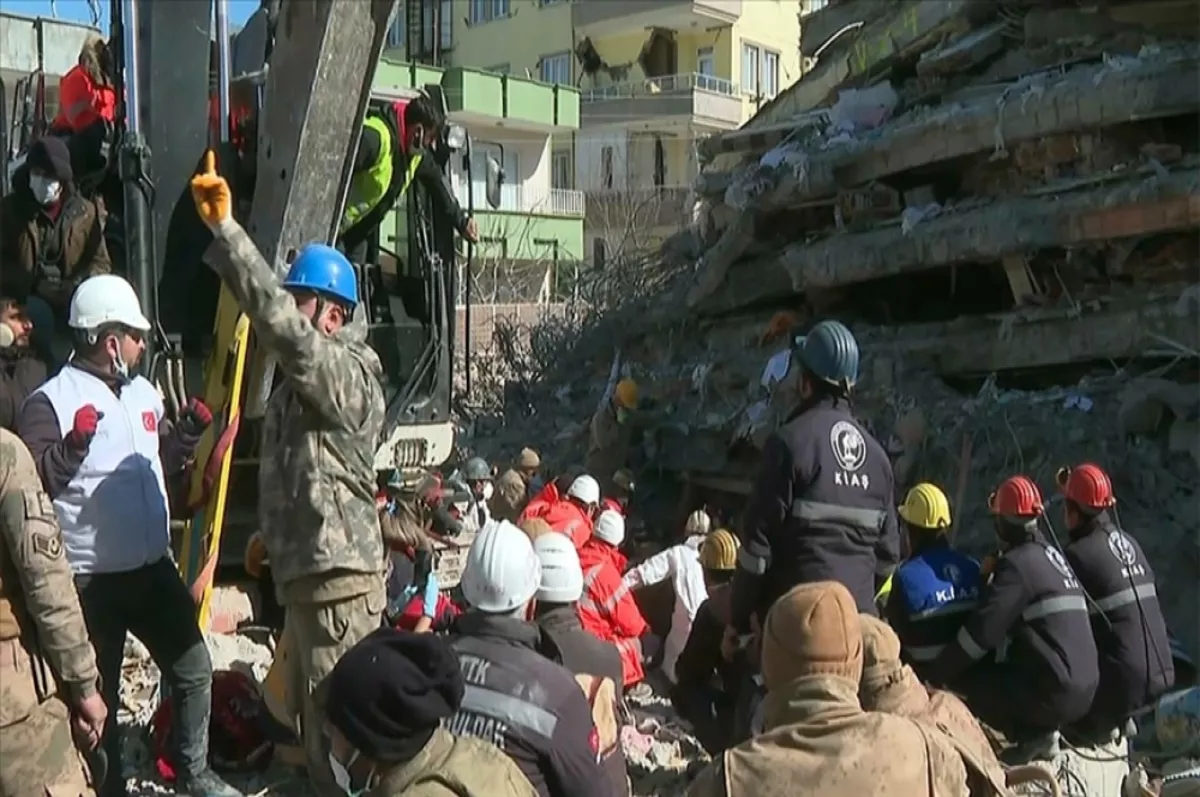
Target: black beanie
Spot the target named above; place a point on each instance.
(49, 154)
(388, 694)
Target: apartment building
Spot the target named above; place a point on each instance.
(537, 229)
(654, 77)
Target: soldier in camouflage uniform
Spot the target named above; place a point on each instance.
(317, 512)
(47, 665)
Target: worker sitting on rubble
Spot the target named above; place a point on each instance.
(681, 564)
(818, 741)
(1034, 616)
(21, 372)
(823, 506)
(705, 683)
(51, 240)
(611, 432)
(515, 486)
(595, 663)
(317, 474)
(608, 609)
(104, 449)
(524, 703)
(622, 492)
(935, 590)
(385, 165)
(388, 698)
(572, 515)
(1127, 620)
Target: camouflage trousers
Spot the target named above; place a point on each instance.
(317, 634)
(38, 756)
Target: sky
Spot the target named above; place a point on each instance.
(79, 10)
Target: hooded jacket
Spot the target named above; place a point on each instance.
(323, 423)
(564, 516)
(608, 609)
(818, 742)
(455, 767)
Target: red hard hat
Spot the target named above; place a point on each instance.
(1087, 485)
(1017, 496)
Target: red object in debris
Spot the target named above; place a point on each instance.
(1087, 485)
(1016, 496)
(236, 742)
(445, 613)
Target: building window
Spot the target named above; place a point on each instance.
(544, 3)
(814, 5)
(599, 252)
(488, 10)
(555, 68)
(396, 36)
(445, 20)
(770, 73)
(606, 168)
(750, 57)
(660, 163)
(705, 63)
(499, 69)
(560, 170)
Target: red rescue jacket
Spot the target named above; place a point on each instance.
(607, 608)
(562, 515)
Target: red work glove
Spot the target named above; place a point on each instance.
(87, 418)
(195, 418)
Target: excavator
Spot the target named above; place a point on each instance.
(282, 104)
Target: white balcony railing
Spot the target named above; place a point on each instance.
(666, 84)
(527, 199)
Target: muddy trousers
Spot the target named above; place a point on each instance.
(154, 605)
(317, 635)
(38, 756)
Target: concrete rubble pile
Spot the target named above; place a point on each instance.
(1002, 200)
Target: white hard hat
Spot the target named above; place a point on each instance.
(562, 575)
(698, 523)
(502, 572)
(610, 527)
(585, 489)
(106, 299)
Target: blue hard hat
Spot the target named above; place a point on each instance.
(829, 352)
(324, 270)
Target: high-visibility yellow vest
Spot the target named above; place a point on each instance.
(368, 188)
(885, 592)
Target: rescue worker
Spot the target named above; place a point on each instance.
(610, 434)
(937, 588)
(595, 664)
(388, 696)
(608, 609)
(536, 527)
(681, 564)
(818, 741)
(822, 507)
(87, 107)
(572, 515)
(1127, 620)
(317, 478)
(1033, 606)
(20, 371)
(706, 684)
(385, 165)
(517, 699)
(478, 476)
(515, 486)
(51, 240)
(51, 691)
(104, 450)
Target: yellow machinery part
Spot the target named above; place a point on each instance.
(223, 391)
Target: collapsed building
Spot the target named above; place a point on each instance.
(1002, 201)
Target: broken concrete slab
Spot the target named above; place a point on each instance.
(1037, 338)
(1058, 24)
(964, 52)
(1141, 204)
(817, 28)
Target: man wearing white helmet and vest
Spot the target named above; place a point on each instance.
(516, 698)
(104, 450)
(681, 564)
(317, 481)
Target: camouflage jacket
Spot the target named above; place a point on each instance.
(323, 423)
(455, 767)
(37, 582)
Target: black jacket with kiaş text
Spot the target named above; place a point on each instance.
(525, 703)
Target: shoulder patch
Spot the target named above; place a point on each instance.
(38, 505)
(47, 544)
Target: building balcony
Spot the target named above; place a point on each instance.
(611, 17)
(703, 99)
(661, 206)
(527, 200)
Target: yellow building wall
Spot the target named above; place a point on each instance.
(529, 32)
(775, 25)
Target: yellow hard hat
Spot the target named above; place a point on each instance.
(719, 551)
(926, 506)
(627, 394)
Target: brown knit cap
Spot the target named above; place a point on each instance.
(881, 654)
(535, 527)
(812, 630)
(528, 458)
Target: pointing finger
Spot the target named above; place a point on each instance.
(210, 162)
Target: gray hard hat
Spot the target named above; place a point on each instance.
(477, 470)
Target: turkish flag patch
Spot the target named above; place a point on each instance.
(150, 421)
